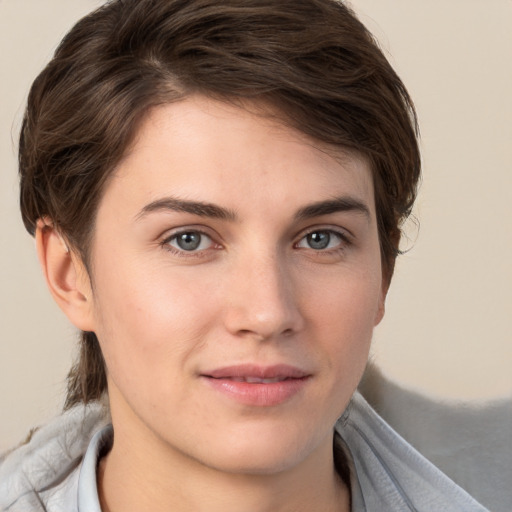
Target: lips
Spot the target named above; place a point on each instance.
(262, 386)
(257, 380)
(251, 371)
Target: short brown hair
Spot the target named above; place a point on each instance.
(312, 60)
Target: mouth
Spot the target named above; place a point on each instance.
(255, 380)
(256, 373)
(262, 386)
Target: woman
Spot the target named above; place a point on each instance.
(216, 190)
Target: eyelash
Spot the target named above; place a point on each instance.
(166, 244)
(344, 242)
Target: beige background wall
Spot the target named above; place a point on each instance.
(447, 330)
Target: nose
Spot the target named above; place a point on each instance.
(261, 299)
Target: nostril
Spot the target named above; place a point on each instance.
(259, 334)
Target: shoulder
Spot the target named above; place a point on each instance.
(35, 473)
(389, 473)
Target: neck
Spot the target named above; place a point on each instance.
(148, 476)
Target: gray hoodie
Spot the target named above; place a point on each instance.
(56, 470)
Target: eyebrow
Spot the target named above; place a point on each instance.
(194, 207)
(337, 204)
(203, 209)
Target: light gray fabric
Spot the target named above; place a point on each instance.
(43, 474)
(56, 471)
(391, 474)
(469, 441)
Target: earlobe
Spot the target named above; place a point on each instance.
(65, 275)
(381, 308)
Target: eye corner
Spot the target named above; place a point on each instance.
(189, 242)
(324, 239)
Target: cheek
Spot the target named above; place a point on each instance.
(350, 297)
(147, 327)
(137, 297)
(344, 312)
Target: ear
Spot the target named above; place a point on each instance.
(66, 276)
(381, 307)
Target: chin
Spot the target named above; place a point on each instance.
(254, 462)
(262, 452)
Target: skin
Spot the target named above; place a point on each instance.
(254, 291)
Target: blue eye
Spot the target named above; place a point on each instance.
(321, 240)
(190, 241)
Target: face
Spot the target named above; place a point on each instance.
(236, 280)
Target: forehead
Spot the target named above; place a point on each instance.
(204, 149)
